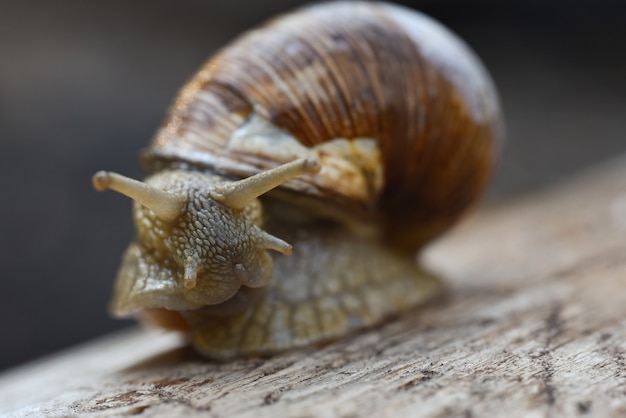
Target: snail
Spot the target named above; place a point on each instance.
(298, 174)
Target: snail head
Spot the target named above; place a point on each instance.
(204, 230)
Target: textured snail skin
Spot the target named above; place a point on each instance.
(405, 122)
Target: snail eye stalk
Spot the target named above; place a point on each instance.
(167, 206)
(240, 193)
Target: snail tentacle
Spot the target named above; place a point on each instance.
(191, 272)
(167, 206)
(240, 193)
(267, 241)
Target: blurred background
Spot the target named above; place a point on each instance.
(84, 84)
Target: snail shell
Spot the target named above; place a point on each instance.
(404, 121)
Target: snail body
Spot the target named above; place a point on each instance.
(355, 132)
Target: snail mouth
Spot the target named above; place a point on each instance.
(145, 282)
(239, 303)
(163, 318)
(209, 290)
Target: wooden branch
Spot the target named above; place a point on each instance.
(533, 324)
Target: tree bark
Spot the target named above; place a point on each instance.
(533, 323)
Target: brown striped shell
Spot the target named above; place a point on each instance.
(351, 71)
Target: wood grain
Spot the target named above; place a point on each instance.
(533, 324)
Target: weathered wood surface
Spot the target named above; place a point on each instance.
(533, 324)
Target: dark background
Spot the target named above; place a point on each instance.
(84, 84)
